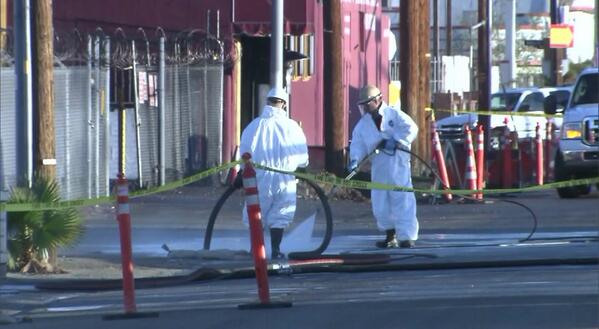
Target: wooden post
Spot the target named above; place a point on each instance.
(411, 70)
(3, 23)
(424, 99)
(44, 89)
(333, 88)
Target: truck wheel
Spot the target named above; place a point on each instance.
(561, 174)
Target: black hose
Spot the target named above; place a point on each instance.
(219, 204)
(294, 255)
(328, 227)
(534, 216)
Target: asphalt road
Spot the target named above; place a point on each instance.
(522, 297)
(469, 270)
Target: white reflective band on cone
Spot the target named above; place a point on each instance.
(122, 190)
(251, 199)
(123, 209)
(249, 182)
(262, 251)
(471, 174)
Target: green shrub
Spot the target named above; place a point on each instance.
(34, 235)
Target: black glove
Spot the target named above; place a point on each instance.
(238, 182)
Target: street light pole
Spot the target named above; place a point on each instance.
(473, 29)
(276, 45)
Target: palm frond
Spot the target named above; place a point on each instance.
(32, 233)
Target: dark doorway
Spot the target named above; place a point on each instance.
(255, 68)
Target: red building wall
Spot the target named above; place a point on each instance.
(364, 58)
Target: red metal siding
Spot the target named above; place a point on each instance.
(365, 60)
(171, 15)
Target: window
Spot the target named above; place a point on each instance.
(532, 102)
(586, 90)
(504, 102)
(303, 44)
(561, 97)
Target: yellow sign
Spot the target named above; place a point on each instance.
(561, 36)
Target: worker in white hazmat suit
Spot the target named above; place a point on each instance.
(388, 129)
(276, 141)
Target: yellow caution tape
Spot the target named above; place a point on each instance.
(506, 113)
(20, 207)
(320, 178)
(336, 181)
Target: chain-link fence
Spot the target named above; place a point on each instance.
(173, 105)
(8, 119)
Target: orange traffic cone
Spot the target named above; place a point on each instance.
(438, 155)
(470, 163)
(480, 160)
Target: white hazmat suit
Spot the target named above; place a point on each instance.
(392, 209)
(275, 141)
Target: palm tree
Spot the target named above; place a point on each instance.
(34, 235)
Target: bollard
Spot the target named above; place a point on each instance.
(480, 160)
(548, 152)
(438, 155)
(506, 162)
(124, 220)
(470, 163)
(257, 237)
(539, 144)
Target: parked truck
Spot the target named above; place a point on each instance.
(578, 153)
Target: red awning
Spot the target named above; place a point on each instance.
(254, 17)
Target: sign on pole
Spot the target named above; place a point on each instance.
(561, 36)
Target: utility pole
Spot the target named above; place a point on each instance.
(23, 92)
(509, 80)
(484, 63)
(276, 45)
(555, 54)
(596, 34)
(436, 47)
(424, 59)
(409, 27)
(43, 88)
(333, 88)
(3, 23)
(448, 28)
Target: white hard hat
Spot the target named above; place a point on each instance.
(278, 93)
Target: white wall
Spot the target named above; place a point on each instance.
(584, 34)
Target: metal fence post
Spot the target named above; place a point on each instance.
(107, 116)
(97, 126)
(90, 117)
(136, 109)
(162, 109)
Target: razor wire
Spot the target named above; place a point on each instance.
(7, 50)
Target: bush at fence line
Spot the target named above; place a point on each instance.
(34, 236)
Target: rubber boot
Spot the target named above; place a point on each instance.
(276, 236)
(389, 242)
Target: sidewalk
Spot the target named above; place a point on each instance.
(453, 232)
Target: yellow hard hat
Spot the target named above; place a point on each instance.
(368, 93)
